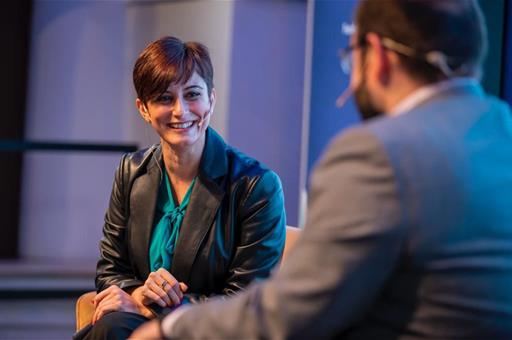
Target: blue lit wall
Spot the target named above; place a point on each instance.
(327, 79)
(507, 55)
(266, 86)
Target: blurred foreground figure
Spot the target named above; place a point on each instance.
(409, 230)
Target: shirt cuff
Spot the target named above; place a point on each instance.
(170, 320)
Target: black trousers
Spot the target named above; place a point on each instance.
(111, 326)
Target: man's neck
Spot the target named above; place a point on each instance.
(402, 87)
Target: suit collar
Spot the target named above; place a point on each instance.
(439, 89)
(155, 162)
(214, 162)
(143, 196)
(205, 200)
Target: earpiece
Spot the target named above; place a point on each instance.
(146, 116)
(201, 122)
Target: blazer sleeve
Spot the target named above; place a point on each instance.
(262, 227)
(114, 267)
(351, 244)
(261, 223)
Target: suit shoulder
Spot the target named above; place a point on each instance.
(399, 131)
(242, 165)
(138, 157)
(354, 139)
(132, 163)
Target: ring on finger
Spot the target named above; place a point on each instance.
(163, 284)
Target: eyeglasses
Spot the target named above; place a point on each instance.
(437, 59)
(345, 55)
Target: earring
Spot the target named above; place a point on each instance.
(147, 116)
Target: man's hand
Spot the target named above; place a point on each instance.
(149, 330)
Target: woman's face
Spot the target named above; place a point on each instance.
(181, 114)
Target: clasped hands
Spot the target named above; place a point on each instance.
(160, 287)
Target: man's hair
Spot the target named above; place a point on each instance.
(167, 61)
(454, 27)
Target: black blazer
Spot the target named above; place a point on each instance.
(233, 231)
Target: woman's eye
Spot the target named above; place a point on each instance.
(164, 99)
(192, 95)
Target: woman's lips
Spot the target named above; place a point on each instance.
(181, 125)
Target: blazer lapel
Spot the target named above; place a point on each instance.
(205, 200)
(198, 220)
(143, 198)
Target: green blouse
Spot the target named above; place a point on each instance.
(168, 219)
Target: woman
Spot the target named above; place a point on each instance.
(188, 218)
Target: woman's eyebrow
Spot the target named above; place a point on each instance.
(193, 86)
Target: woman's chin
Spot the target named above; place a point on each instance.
(181, 142)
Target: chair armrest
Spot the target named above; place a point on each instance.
(84, 309)
(292, 234)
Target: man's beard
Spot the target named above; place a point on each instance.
(365, 104)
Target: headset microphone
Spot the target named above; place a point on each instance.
(201, 121)
(344, 96)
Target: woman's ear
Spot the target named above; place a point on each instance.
(213, 100)
(143, 110)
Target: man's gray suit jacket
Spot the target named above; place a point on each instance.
(408, 235)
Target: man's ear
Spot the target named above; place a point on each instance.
(143, 110)
(379, 59)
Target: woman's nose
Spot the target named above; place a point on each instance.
(180, 107)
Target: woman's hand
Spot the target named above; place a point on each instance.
(113, 299)
(161, 287)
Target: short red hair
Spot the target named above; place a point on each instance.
(167, 61)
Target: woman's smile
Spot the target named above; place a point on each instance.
(181, 125)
